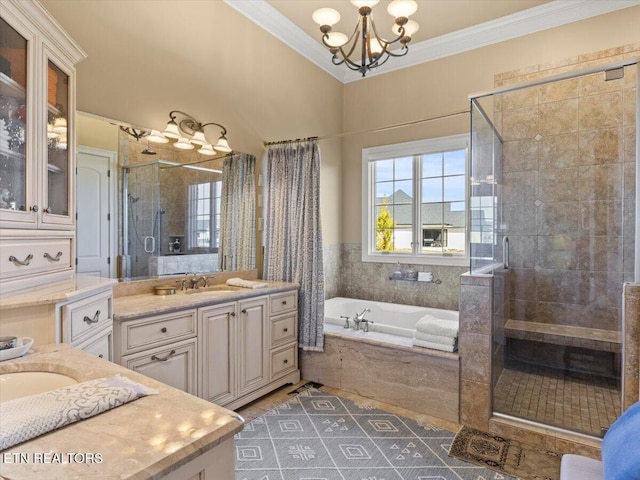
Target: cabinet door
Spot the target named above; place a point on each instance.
(100, 346)
(173, 364)
(59, 187)
(253, 341)
(218, 337)
(17, 123)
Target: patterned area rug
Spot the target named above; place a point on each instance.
(506, 456)
(319, 436)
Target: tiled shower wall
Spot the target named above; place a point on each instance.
(569, 193)
(346, 275)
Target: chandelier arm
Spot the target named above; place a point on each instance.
(223, 132)
(403, 51)
(383, 40)
(346, 58)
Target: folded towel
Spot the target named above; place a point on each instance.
(427, 337)
(435, 346)
(28, 417)
(239, 282)
(437, 326)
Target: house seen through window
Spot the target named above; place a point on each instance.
(204, 215)
(416, 205)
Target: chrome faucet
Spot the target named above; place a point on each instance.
(359, 317)
(346, 321)
(195, 282)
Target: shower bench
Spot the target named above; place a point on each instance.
(578, 339)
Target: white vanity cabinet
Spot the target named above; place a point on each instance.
(248, 348)
(163, 347)
(87, 323)
(37, 147)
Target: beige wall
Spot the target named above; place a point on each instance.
(95, 133)
(443, 86)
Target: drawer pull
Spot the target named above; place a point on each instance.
(284, 302)
(285, 329)
(24, 262)
(53, 259)
(285, 361)
(95, 318)
(171, 353)
(163, 329)
(101, 356)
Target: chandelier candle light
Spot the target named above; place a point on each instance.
(375, 50)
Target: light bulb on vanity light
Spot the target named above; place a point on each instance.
(183, 144)
(172, 130)
(157, 137)
(198, 138)
(222, 145)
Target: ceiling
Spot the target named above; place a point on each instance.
(447, 27)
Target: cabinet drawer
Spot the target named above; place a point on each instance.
(284, 302)
(283, 328)
(100, 346)
(87, 316)
(173, 364)
(158, 330)
(284, 360)
(42, 256)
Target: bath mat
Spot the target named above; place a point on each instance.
(506, 456)
(318, 435)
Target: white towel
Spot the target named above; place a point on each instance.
(434, 346)
(239, 282)
(437, 326)
(34, 415)
(427, 337)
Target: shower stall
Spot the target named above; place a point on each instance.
(553, 218)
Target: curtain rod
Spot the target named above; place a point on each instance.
(372, 130)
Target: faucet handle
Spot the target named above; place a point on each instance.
(346, 321)
(182, 283)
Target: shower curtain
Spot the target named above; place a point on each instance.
(293, 236)
(237, 214)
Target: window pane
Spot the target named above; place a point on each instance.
(384, 170)
(432, 165)
(432, 189)
(384, 240)
(455, 162)
(383, 190)
(402, 215)
(402, 238)
(403, 168)
(402, 191)
(454, 188)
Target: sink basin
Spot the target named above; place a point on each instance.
(21, 384)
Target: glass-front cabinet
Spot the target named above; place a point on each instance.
(36, 131)
(37, 146)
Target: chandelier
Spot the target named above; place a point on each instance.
(187, 132)
(374, 49)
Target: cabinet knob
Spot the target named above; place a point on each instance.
(101, 356)
(244, 310)
(284, 302)
(47, 210)
(34, 208)
(163, 329)
(285, 361)
(232, 314)
(285, 329)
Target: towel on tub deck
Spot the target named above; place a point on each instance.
(239, 282)
(28, 417)
(427, 337)
(437, 326)
(435, 346)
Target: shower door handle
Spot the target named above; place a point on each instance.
(505, 252)
(146, 244)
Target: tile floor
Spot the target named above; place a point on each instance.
(575, 401)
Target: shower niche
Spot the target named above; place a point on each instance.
(173, 215)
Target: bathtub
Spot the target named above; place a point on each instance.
(388, 318)
(382, 363)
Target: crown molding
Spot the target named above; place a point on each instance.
(549, 15)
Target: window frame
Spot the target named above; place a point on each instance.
(385, 152)
(215, 189)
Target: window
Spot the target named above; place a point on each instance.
(414, 205)
(204, 215)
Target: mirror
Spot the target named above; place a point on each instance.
(178, 211)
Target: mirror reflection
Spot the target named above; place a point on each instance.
(178, 211)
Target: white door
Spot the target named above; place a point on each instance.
(96, 222)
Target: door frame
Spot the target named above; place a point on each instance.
(112, 159)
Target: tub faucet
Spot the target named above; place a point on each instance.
(366, 323)
(360, 318)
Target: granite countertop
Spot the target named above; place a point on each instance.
(136, 306)
(143, 439)
(56, 292)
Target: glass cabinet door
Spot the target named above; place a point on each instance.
(13, 119)
(57, 141)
